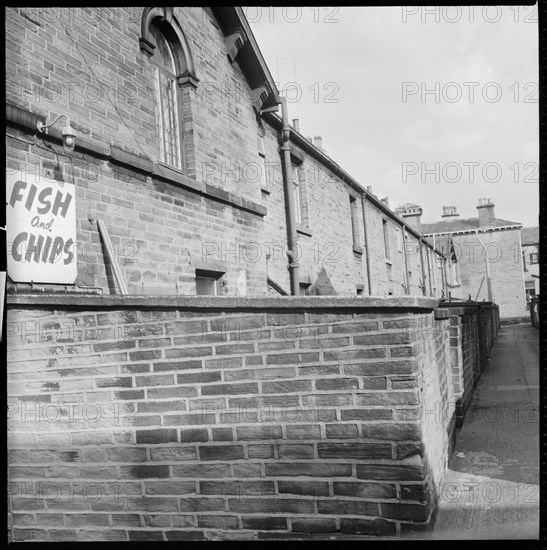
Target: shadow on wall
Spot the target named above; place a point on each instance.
(322, 285)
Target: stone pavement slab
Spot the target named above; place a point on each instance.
(491, 489)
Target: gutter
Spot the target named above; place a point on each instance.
(474, 230)
(299, 140)
(289, 200)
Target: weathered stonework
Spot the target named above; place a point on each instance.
(134, 422)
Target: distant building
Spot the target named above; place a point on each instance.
(473, 240)
(530, 261)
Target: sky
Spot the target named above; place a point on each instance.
(436, 108)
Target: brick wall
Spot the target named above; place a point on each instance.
(195, 423)
(473, 330)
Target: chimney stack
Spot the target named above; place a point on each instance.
(450, 212)
(385, 201)
(411, 214)
(318, 142)
(296, 124)
(486, 213)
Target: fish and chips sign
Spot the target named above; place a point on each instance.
(41, 229)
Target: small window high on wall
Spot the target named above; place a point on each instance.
(354, 222)
(386, 239)
(208, 283)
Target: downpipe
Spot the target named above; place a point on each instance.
(289, 202)
(363, 204)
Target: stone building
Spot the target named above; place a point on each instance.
(149, 164)
(489, 261)
(530, 261)
(179, 157)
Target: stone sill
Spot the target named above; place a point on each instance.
(303, 229)
(224, 302)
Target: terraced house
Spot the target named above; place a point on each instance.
(488, 259)
(194, 344)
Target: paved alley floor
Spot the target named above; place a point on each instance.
(491, 490)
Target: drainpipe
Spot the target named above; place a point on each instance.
(488, 280)
(289, 201)
(434, 266)
(363, 202)
(445, 278)
(424, 276)
(429, 273)
(407, 280)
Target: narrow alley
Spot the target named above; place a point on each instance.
(491, 490)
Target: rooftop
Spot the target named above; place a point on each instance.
(455, 225)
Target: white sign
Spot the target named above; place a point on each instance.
(41, 229)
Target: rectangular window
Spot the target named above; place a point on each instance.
(534, 258)
(206, 286)
(386, 239)
(262, 164)
(208, 282)
(399, 240)
(454, 273)
(297, 192)
(353, 216)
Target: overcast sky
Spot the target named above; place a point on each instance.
(360, 74)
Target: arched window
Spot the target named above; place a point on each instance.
(167, 101)
(163, 41)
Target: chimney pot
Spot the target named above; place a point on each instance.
(411, 214)
(296, 124)
(450, 212)
(318, 142)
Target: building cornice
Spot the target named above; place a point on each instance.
(27, 120)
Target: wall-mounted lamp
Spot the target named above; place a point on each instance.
(69, 135)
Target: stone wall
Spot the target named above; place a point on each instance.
(134, 418)
(473, 330)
